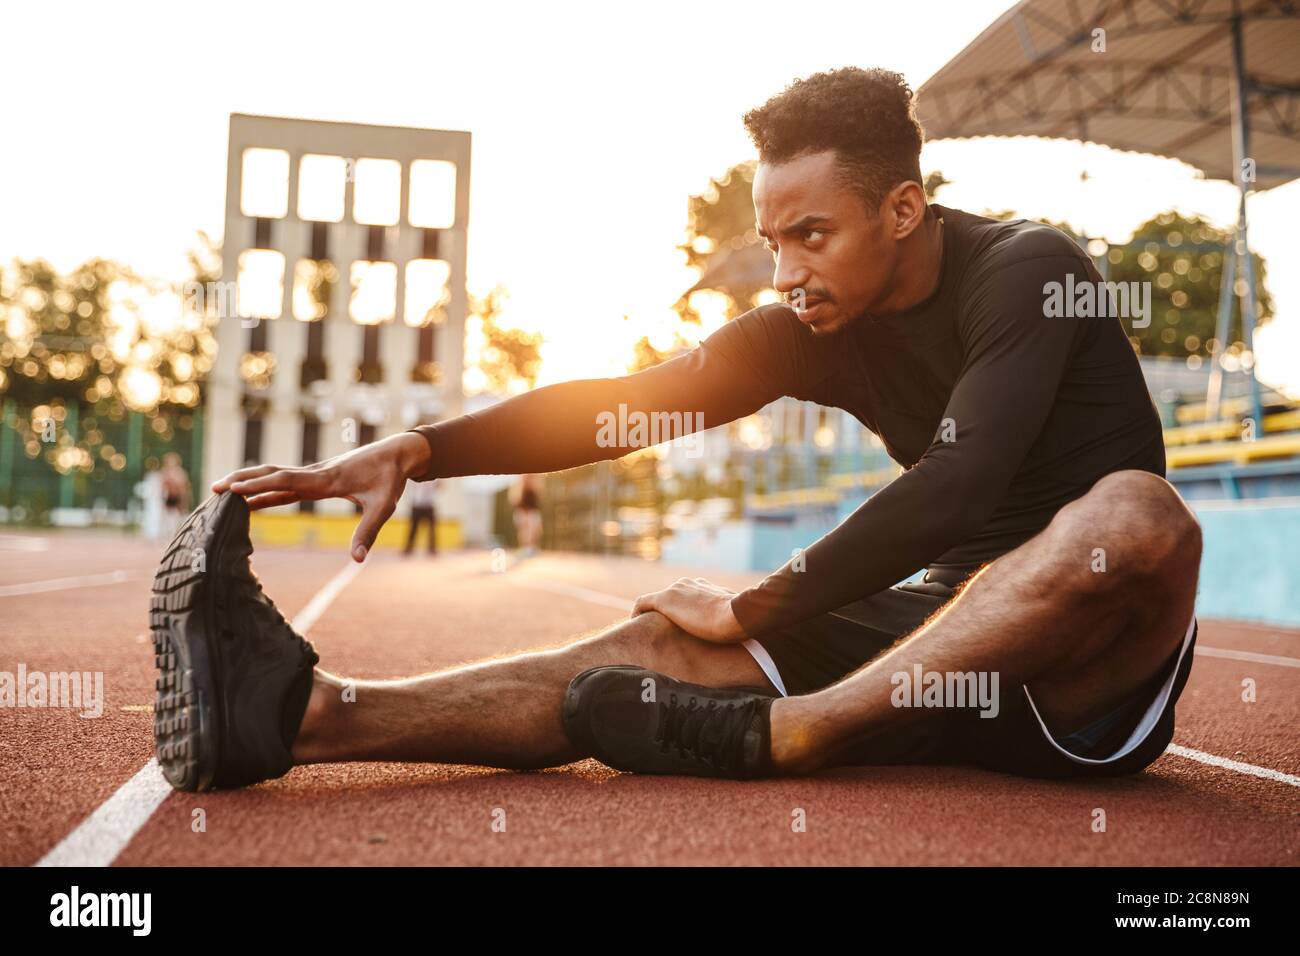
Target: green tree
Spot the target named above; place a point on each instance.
(933, 183)
(723, 212)
(645, 355)
(79, 352)
(1182, 257)
(54, 340)
(100, 333)
(508, 356)
(720, 221)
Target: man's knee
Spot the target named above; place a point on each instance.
(1132, 527)
(651, 640)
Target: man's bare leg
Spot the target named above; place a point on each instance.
(503, 712)
(1081, 638)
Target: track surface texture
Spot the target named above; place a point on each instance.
(76, 601)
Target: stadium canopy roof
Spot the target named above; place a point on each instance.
(1165, 83)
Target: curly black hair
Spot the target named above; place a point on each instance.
(867, 116)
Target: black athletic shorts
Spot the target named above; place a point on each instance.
(812, 655)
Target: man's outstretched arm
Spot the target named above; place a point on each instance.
(736, 371)
(579, 422)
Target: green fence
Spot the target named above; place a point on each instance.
(110, 453)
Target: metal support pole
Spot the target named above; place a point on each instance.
(196, 445)
(1241, 153)
(1222, 326)
(7, 436)
(134, 447)
(67, 481)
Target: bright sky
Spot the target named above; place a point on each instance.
(592, 125)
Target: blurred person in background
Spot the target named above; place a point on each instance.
(149, 491)
(526, 496)
(423, 511)
(176, 494)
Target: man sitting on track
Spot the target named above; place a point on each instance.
(1060, 566)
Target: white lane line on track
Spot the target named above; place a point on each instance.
(1250, 656)
(573, 590)
(103, 834)
(610, 600)
(64, 584)
(323, 598)
(18, 542)
(107, 831)
(1247, 768)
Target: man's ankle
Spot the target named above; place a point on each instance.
(794, 748)
(326, 693)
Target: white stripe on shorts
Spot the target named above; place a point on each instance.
(1149, 719)
(764, 659)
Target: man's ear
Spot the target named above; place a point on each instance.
(908, 205)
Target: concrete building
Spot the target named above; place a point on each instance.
(342, 299)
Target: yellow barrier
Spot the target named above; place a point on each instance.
(1218, 431)
(295, 529)
(1234, 452)
(1184, 453)
(1196, 411)
(794, 497)
(1192, 434)
(1229, 407)
(1282, 421)
(865, 479)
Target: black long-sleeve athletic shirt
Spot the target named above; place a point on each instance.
(999, 414)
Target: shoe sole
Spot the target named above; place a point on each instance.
(186, 726)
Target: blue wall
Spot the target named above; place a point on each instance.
(1250, 568)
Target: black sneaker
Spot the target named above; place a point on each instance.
(639, 720)
(234, 676)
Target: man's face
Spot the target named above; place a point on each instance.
(824, 241)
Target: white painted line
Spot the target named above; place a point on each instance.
(64, 584)
(107, 831)
(1246, 768)
(1248, 656)
(610, 600)
(16, 542)
(573, 590)
(103, 834)
(323, 598)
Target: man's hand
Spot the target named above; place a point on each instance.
(697, 607)
(372, 476)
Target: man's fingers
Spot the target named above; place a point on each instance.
(304, 484)
(271, 499)
(372, 519)
(645, 602)
(243, 474)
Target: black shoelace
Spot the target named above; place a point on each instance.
(249, 587)
(713, 734)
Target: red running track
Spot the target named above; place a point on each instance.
(399, 618)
